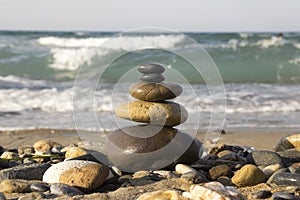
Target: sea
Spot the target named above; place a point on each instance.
(75, 80)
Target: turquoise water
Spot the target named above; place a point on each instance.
(261, 74)
(248, 57)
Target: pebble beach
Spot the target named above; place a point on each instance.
(52, 164)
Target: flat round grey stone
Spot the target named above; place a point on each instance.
(149, 68)
(152, 78)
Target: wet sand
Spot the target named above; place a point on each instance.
(258, 138)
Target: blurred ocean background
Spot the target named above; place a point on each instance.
(261, 72)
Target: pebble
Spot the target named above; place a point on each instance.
(44, 146)
(39, 187)
(165, 174)
(295, 168)
(290, 156)
(269, 170)
(29, 161)
(161, 195)
(124, 178)
(141, 174)
(264, 158)
(159, 113)
(224, 153)
(216, 191)
(15, 186)
(219, 170)
(124, 149)
(25, 151)
(2, 197)
(149, 68)
(248, 175)
(9, 155)
(58, 150)
(182, 169)
(194, 177)
(85, 175)
(286, 178)
(225, 180)
(289, 142)
(262, 194)
(284, 196)
(33, 196)
(152, 78)
(33, 171)
(116, 171)
(74, 152)
(154, 91)
(64, 189)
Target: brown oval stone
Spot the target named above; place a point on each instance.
(154, 91)
(131, 150)
(159, 113)
(86, 178)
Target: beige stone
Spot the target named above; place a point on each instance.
(154, 91)
(289, 142)
(15, 186)
(74, 152)
(162, 113)
(86, 178)
(248, 175)
(161, 195)
(9, 155)
(44, 146)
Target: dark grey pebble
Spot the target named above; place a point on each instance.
(63, 189)
(264, 157)
(225, 181)
(4, 164)
(27, 172)
(106, 188)
(149, 68)
(290, 156)
(153, 78)
(286, 178)
(194, 177)
(2, 197)
(39, 187)
(284, 196)
(262, 194)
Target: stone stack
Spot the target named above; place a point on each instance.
(155, 144)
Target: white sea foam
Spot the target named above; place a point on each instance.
(71, 53)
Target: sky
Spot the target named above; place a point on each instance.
(122, 15)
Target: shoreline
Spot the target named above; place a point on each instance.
(260, 138)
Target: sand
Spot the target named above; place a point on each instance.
(257, 138)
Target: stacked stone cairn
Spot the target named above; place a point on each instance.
(154, 144)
